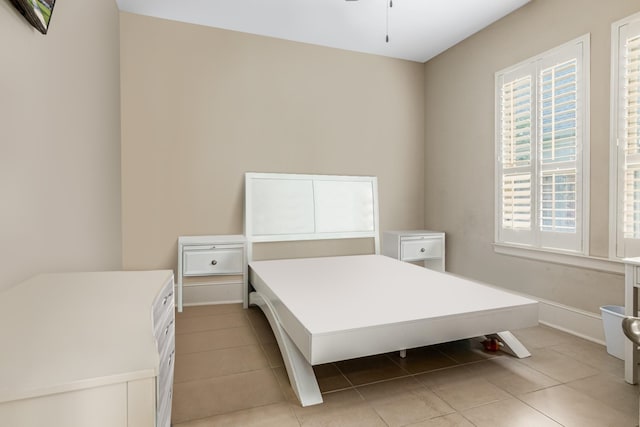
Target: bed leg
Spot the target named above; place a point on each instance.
(301, 376)
(403, 353)
(511, 344)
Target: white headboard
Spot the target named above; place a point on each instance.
(288, 207)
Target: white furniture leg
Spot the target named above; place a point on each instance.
(630, 309)
(301, 375)
(511, 344)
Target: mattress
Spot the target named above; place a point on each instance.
(337, 308)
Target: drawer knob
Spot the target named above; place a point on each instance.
(214, 262)
(423, 250)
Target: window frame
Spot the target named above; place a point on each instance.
(536, 239)
(619, 246)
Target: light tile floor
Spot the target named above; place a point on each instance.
(229, 373)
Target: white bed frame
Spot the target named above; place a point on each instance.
(288, 207)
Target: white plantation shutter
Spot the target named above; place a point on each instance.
(631, 137)
(626, 118)
(541, 109)
(558, 201)
(516, 202)
(515, 127)
(631, 195)
(558, 144)
(516, 123)
(516, 154)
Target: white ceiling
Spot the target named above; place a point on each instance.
(418, 29)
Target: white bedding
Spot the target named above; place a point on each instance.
(337, 308)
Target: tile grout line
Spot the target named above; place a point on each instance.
(211, 350)
(536, 409)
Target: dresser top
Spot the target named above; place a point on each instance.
(70, 331)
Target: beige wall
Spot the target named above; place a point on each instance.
(59, 142)
(202, 106)
(459, 84)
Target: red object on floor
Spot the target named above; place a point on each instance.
(491, 344)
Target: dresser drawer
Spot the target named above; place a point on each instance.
(163, 305)
(164, 334)
(165, 377)
(416, 250)
(218, 260)
(164, 413)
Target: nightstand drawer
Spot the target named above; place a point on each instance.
(220, 260)
(415, 250)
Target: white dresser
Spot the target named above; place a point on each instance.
(88, 349)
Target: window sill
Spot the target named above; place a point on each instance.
(575, 260)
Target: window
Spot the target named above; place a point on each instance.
(625, 138)
(542, 150)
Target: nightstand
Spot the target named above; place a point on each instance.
(203, 261)
(415, 245)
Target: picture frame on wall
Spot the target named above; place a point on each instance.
(36, 12)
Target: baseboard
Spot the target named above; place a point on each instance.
(581, 323)
(571, 320)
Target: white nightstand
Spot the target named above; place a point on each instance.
(415, 245)
(206, 256)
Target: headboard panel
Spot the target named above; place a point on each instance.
(289, 207)
(281, 207)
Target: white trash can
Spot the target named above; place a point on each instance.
(612, 316)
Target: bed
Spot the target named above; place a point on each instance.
(335, 308)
